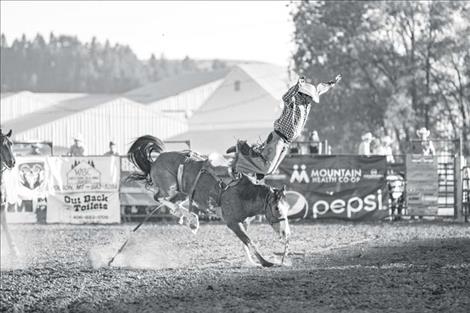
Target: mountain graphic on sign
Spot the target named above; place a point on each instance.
(82, 173)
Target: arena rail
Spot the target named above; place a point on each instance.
(452, 186)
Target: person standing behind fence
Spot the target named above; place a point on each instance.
(35, 149)
(77, 149)
(112, 149)
(427, 147)
(314, 144)
(387, 149)
(364, 146)
(376, 147)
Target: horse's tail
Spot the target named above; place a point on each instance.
(140, 154)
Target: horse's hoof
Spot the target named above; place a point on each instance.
(194, 222)
(267, 264)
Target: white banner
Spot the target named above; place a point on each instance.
(75, 174)
(84, 190)
(26, 190)
(84, 207)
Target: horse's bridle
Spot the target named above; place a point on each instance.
(3, 141)
(266, 204)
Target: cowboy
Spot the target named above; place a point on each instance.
(364, 146)
(427, 147)
(112, 149)
(265, 158)
(77, 149)
(387, 149)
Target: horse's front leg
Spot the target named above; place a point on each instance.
(239, 230)
(245, 247)
(11, 244)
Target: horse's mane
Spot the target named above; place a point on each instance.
(247, 190)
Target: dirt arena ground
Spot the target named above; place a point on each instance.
(336, 267)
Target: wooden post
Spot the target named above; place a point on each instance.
(458, 192)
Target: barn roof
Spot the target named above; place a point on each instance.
(255, 104)
(273, 78)
(172, 86)
(57, 111)
(4, 95)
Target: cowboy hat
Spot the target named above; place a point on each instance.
(78, 137)
(423, 133)
(367, 136)
(387, 140)
(310, 90)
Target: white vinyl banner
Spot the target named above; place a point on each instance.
(84, 207)
(26, 190)
(84, 190)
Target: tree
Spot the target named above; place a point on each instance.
(64, 64)
(403, 65)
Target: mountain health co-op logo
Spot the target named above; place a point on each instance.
(325, 175)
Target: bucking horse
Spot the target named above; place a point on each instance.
(185, 176)
(7, 162)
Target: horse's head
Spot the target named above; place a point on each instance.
(8, 159)
(277, 210)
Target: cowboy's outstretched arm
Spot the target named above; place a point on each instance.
(324, 87)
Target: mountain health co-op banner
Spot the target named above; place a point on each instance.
(329, 186)
(84, 190)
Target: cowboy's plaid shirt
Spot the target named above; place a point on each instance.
(296, 109)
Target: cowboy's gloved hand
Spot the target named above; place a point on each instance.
(338, 78)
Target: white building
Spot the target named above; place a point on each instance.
(17, 104)
(98, 118)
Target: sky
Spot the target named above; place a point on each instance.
(236, 30)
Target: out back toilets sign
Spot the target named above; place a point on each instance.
(84, 190)
(344, 187)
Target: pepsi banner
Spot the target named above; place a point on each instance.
(334, 186)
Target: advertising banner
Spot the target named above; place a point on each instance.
(341, 186)
(422, 184)
(84, 207)
(84, 190)
(26, 190)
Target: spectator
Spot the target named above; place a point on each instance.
(427, 147)
(35, 149)
(376, 147)
(112, 149)
(387, 148)
(314, 142)
(364, 146)
(77, 149)
(303, 143)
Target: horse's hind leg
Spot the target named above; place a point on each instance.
(185, 216)
(238, 229)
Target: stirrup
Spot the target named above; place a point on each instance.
(260, 176)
